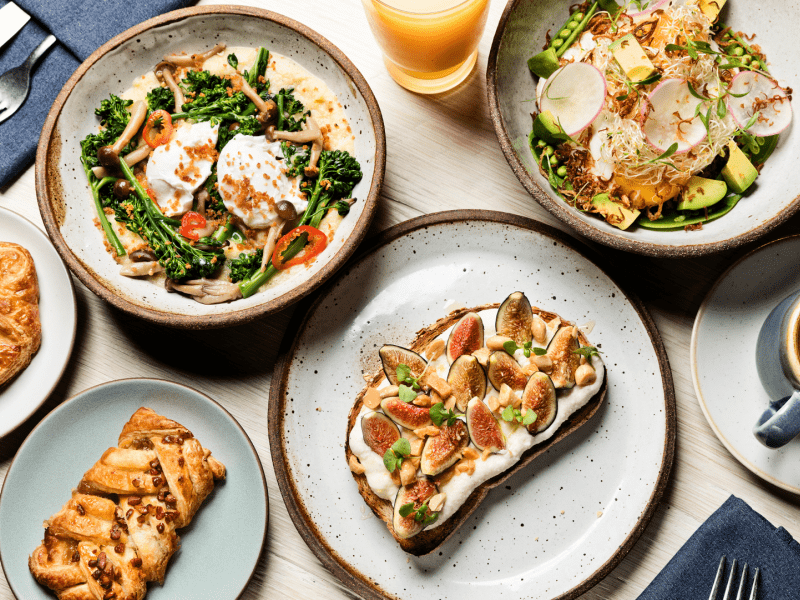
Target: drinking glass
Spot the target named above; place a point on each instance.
(429, 46)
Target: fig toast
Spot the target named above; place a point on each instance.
(413, 503)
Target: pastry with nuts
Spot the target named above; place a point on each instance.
(476, 397)
(118, 531)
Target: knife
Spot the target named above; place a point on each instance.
(12, 19)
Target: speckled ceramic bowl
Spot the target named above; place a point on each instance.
(511, 86)
(66, 203)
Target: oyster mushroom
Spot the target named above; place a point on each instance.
(206, 291)
(140, 269)
(108, 156)
(165, 73)
(311, 134)
(193, 60)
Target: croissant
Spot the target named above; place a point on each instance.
(20, 328)
(117, 532)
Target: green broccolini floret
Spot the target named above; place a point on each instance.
(291, 112)
(295, 159)
(160, 98)
(243, 266)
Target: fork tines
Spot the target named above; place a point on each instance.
(731, 577)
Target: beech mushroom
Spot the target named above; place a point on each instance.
(202, 197)
(132, 158)
(311, 134)
(194, 60)
(109, 155)
(267, 109)
(206, 291)
(165, 73)
(272, 239)
(140, 269)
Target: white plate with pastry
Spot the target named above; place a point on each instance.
(177, 498)
(37, 327)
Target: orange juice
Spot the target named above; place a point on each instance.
(429, 45)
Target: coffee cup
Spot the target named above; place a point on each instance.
(778, 364)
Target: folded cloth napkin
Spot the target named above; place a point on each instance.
(81, 27)
(739, 532)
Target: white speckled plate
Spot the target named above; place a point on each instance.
(219, 549)
(723, 356)
(66, 203)
(555, 528)
(20, 397)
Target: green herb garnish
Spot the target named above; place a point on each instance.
(587, 351)
(439, 414)
(394, 456)
(404, 376)
(407, 394)
(511, 414)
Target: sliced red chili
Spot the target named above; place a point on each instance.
(153, 137)
(316, 243)
(190, 222)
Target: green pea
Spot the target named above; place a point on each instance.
(541, 144)
(578, 16)
(755, 65)
(557, 43)
(738, 51)
(548, 151)
(572, 25)
(553, 162)
(746, 59)
(761, 141)
(562, 171)
(564, 33)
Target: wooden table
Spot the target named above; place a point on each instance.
(442, 154)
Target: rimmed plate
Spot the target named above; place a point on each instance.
(20, 397)
(554, 529)
(64, 199)
(723, 359)
(511, 86)
(220, 548)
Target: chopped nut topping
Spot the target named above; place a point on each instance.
(436, 503)
(390, 391)
(355, 466)
(429, 430)
(372, 398)
(422, 400)
(435, 349)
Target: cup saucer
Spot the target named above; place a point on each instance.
(723, 356)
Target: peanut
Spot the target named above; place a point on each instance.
(390, 391)
(470, 453)
(434, 349)
(422, 400)
(505, 395)
(486, 454)
(372, 398)
(543, 362)
(416, 446)
(539, 330)
(450, 403)
(530, 369)
(439, 385)
(408, 473)
(355, 466)
(415, 460)
(585, 375)
(493, 403)
(496, 342)
(482, 354)
(428, 430)
(436, 503)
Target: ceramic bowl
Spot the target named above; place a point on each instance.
(64, 198)
(511, 86)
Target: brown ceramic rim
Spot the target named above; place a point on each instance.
(696, 375)
(347, 574)
(207, 397)
(71, 343)
(49, 215)
(568, 215)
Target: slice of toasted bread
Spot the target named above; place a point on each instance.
(430, 539)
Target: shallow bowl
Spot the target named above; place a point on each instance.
(64, 198)
(511, 87)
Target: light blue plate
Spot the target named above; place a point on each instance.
(228, 531)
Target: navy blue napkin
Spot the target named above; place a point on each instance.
(81, 27)
(739, 532)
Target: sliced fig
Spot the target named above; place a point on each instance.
(467, 379)
(540, 397)
(484, 430)
(406, 414)
(504, 369)
(417, 493)
(391, 356)
(514, 318)
(379, 432)
(443, 450)
(465, 337)
(562, 352)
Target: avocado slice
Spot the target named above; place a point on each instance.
(711, 8)
(615, 213)
(702, 192)
(544, 64)
(631, 58)
(546, 127)
(739, 173)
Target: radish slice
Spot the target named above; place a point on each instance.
(764, 96)
(671, 118)
(647, 7)
(575, 94)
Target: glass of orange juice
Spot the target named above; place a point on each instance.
(429, 46)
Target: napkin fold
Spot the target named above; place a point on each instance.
(739, 532)
(81, 27)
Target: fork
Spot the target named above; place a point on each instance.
(729, 586)
(16, 83)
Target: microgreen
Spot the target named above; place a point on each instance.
(512, 414)
(439, 414)
(749, 138)
(420, 515)
(632, 85)
(511, 346)
(404, 376)
(407, 394)
(662, 158)
(587, 351)
(393, 457)
(233, 61)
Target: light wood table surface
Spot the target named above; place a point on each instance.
(442, 155)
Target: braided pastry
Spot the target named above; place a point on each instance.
(118, 530)
(20, 329)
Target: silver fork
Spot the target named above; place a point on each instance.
(16, 83)
(731, 577)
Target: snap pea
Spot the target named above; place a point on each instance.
(676, 219)
(765, 147)
(561, 171)
(577, 31)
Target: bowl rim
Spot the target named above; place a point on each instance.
(566, 214)
(45, 197)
